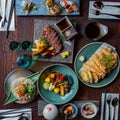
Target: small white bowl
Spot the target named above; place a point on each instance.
(89, 104)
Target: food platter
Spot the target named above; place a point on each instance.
(12, 76)
(87, 51)
(67, 45)
(50, 96)
(41, 9)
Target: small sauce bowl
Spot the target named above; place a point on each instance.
(89, 110)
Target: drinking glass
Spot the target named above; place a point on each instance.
(24, 61)
(14, 45)
(26, 45)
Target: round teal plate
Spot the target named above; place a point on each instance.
(50, 96)
(87, 51)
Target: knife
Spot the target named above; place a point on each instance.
(104, 106)
(10, 17)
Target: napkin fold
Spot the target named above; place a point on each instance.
(27, 113)
(8, 6)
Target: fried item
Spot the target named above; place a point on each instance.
(109, 49)
(90, 76)
(97, 61)
(100, 55)
(95, 66)
(84, 76)
(89, 68)
(99, 65)
(105, 51)
(96, 79)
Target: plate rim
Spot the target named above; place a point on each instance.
(77, 71)
(58, 64)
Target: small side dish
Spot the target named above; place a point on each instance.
(70, 110)
(88, 110)
(23, 89)
(99, 65)
(58, 83)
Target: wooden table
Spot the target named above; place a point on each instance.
(25, 30)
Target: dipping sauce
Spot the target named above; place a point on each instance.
(62, 25)
(92, 31)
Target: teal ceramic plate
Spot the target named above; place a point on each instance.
(50, 96)
(87, 51)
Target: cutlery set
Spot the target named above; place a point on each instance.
(19, 114)
(110, 105)
(6, 12)
(104, 10)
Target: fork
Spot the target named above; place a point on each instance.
(108, 102)
(97, 12)
(2, 117)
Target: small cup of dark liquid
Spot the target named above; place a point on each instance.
(94, 31)
(26, 45)
(14, 45)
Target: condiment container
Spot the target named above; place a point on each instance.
(65, 28)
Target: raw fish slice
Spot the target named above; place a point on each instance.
(73, 5)
(67, 6)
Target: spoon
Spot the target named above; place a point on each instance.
(114, 104)
(100, 5)
(97, 12)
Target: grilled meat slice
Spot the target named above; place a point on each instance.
(52, 38)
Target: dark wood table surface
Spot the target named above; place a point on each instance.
(24, 30)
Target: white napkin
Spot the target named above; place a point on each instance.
(12, 25)
(113, 95)
(105, 9)
(27, 112)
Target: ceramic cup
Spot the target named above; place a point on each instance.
(50, 112)
(94, 31)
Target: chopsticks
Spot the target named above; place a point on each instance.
(10, 17)
(16, 110)
(104, 106)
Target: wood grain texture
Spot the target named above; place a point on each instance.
(25, 31)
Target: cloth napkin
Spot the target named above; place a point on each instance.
(111, 107)
(105, 9)
(28, 113)
(12, 25)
